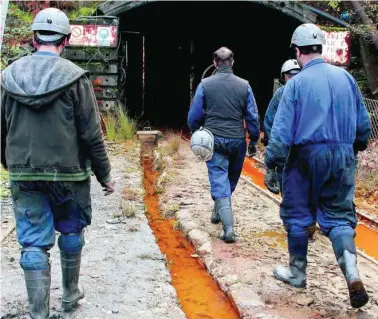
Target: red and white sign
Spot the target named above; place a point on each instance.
(94, 35)
(337, 50)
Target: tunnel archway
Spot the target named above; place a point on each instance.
(169, 44)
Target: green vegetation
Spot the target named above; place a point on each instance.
(83, 11)
(17, 34)
(119, 126)
(15, 12)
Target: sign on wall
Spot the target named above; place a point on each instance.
(94, 35)
(337, 50)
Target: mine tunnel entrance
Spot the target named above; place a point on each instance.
(173, 44)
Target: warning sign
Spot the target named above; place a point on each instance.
(94, 35)
(76, 32)
(337, 49)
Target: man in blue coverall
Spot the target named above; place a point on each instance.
(321, 122)
(273, 179)
(221, 103)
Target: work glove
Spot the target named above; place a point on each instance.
(271, 181)
(265, 141)
(252, 151)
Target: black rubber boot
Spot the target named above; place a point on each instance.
(72, 293)
(224, 210)
(38, 287)
(295, 274)
(215, 219)
(357, 293)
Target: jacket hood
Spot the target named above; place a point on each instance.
(36, 80)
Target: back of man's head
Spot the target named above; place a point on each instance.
(51, 26)
(223, 56)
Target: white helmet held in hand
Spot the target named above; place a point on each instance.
(202, 144)
(291, 66)
(307, 34)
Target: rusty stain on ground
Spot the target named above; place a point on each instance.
(198, 293)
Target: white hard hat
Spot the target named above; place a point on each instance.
(307, 34)
(51, 19)
(202, 144)
(291, 66)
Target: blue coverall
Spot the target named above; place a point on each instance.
(269, 119)
(321, 120)
(271, 111)
(226, 165)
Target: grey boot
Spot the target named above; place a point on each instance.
(295, 274)
(215, 219)
(72, 293)
(357, 294)
(224, 210)
(38, 288)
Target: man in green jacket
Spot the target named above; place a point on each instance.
(51, 141)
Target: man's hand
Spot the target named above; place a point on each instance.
(271, 181)
(109, 187)
(252, 151)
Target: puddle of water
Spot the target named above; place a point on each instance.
(277, 239)
(366, 239)
(199, 295)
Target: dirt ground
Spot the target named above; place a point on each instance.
(123, 270)
(244, 269)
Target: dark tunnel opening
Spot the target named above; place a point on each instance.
(179, 39)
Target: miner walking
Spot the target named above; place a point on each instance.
(221, 104)
(273, 178)
(321, 122)
(51, 141)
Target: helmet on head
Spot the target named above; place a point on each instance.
(290, 66)
(202, 144)
(307, 34)
(223, 54)
(52, 20)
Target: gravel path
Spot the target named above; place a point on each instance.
(123, 270)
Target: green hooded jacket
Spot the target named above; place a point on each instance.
(50, 122)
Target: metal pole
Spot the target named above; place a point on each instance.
(4, 11)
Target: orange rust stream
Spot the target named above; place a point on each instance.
(366, 238)
(199, 295)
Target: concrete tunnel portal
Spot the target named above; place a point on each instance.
(167, 45)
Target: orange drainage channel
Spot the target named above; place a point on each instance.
(366, 238)
(199, 295)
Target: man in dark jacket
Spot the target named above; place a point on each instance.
(51, 141)
(221, 103)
